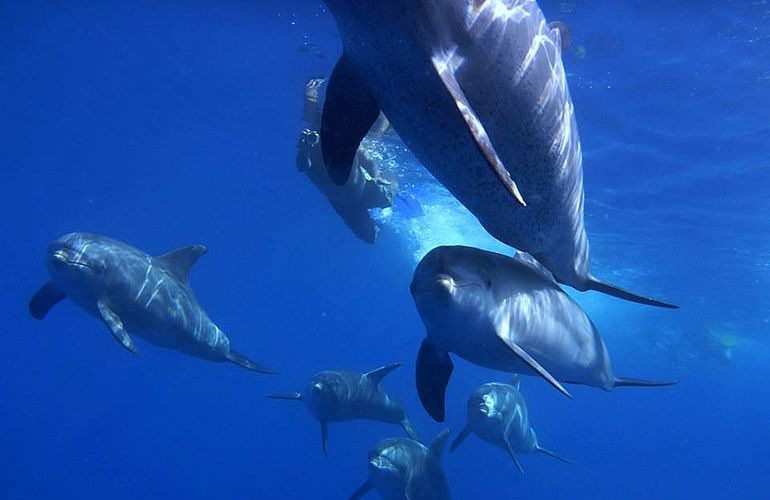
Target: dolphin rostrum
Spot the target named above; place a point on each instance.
(133, 292)
(498, 415)
(478, 92)
(337, 396)
(402, 468)
(507, 314)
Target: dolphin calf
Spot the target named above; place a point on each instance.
(478, 92)
(401, 468)
(337, 396)
(133, 292)
(498, 415)
(507, 314)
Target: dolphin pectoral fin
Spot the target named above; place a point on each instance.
(409, 428)
(537, 367)
(243, 361)
(361, 491)
(638, 382)
(444, 68)
(615, 291)
(380, 373)
(460, 437)
(513, 456)
(548, 452)
(516, 381)
(179, 262)
(44, 299)
(439, 443)
(434, 367)
(325, 438)
(115, 324)
(293, 396)
(349, 111)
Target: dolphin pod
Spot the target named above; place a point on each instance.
(478, 92)
(504, 313)
(498, 415)
(133, 292)
(337, 396)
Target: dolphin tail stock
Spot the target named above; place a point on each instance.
(361, 491)
(616, 291)
(548, 452)
(639, 382)
(409, 428)
(242, 361)
(460, 438)
(292, 396)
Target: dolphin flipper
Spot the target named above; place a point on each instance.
(380, 373)
(552, 454)
(44, 299)
(361, 491)
(513, 456)
(243, 361)
(537, 367)
(638, 382)
(460, 437)
(445, 70)
(325, 438)
(293, 396)
(616, 291)
(115, 324)
(350, 109)
(434, 367)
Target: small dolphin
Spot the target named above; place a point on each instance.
(498, 415)
(504, 313)
(401, 468)
(337, 396)
(478, 92)
(131, 291)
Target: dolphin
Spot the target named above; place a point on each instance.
(133, 292)
(498, 415)
(507, 314)
(337, 396)
(477, 91)
(402, 468)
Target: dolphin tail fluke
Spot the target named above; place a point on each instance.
(434, 367)
(293, 396)
(639, 382)
(615, 291)
(554, 455)
(460, 438)
(409, 428)
(245, 362)
(44, 299)
(361, 491)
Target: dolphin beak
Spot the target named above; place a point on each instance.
(60, 256)
(318, 386)
(444, 281)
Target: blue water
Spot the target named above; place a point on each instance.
(167, 123)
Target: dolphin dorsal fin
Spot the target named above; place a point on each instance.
(439, 443)
(531, 262)
(179, 262)
(380, 373)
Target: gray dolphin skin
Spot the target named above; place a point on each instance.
(338, 396)
(133, 292)
(401, 468)
(507, 314)
(498, 415)
(478, 92)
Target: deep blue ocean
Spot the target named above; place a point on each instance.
(168, 123)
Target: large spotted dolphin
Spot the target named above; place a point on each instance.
(339, 396)
(133, 292)
(507, 314)
(477, 91)
(497, 413)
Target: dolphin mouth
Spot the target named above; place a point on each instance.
(61, 257)
(381, 463)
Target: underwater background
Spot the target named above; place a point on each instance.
(167, 123)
